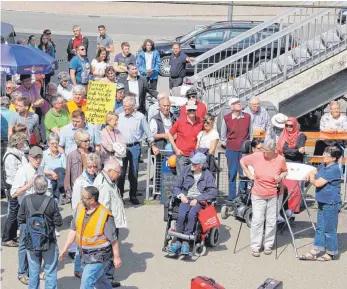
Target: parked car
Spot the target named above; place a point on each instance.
(204, 38)
(7, 33)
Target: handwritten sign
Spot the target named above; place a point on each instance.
(100, 101)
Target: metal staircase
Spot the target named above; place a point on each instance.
(270, 54)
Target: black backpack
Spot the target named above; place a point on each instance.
(37, 237)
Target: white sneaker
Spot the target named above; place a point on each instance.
(57, 233)
(280, 219)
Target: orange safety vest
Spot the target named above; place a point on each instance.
(92, 235)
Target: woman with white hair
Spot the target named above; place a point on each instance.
(54, 165)
(76, 162)
(78, 100)
(269, 170)
(13, 159)
(65, 87)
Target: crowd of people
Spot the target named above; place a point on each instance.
(51, 156)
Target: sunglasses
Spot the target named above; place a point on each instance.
(191, 96)
(92, 167)
(48, 33)
(82, 49)
(207, 122)
(191, 110)
(289, 125)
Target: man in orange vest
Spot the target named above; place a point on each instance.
(94, 229)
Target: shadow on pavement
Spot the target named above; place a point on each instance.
(132, 262)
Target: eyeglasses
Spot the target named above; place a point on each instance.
(289, 125)
(92, 167)
(118, 172)
(9, 87)
(82, 49)
(191, 96)
(207, 122)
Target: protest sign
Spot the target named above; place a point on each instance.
(100, 101)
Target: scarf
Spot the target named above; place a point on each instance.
(288, 137)
(77, 41)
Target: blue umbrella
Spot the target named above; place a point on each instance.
(19, 59)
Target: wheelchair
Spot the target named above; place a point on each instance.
(206, 231)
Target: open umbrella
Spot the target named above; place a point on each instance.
(19, 59)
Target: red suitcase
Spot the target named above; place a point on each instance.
(205, 283)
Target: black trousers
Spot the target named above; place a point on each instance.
(152, 84)
(175, 82)
(11, 224)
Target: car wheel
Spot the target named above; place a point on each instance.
(164, 69)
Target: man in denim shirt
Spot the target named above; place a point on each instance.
(67, 142)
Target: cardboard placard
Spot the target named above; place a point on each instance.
(100, 101)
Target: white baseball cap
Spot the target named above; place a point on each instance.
(233, 100)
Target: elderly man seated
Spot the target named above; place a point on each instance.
(194, 184)
(260, 118)
(331, 122)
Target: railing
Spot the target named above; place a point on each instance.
(248, 38)
(275, 58)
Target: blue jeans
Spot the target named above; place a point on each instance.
(326, 229)
(192, 212)
(22, 253)
(50, 267)
(233, 160)
(77, 263)
(181, 162)
(94, 275)
(133, 159)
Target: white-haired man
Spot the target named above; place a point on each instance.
(133, 126)
(260, 118)
(236, 129)
(111, 199)
(154, 108)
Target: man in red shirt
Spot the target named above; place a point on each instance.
(192, 95)
(76, 40)
(186, 130)
(236, 129)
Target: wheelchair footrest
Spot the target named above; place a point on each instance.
(181, 236)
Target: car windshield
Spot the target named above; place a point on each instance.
(191, 34)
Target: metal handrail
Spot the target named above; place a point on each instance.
(258, 45)
(244, 35)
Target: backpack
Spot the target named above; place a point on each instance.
(36, 237)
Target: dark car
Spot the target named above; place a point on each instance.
(204, 38)
(341, 18)
(7, 33)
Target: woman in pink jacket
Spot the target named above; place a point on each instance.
(110, 135)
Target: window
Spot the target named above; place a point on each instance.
(210, 38)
